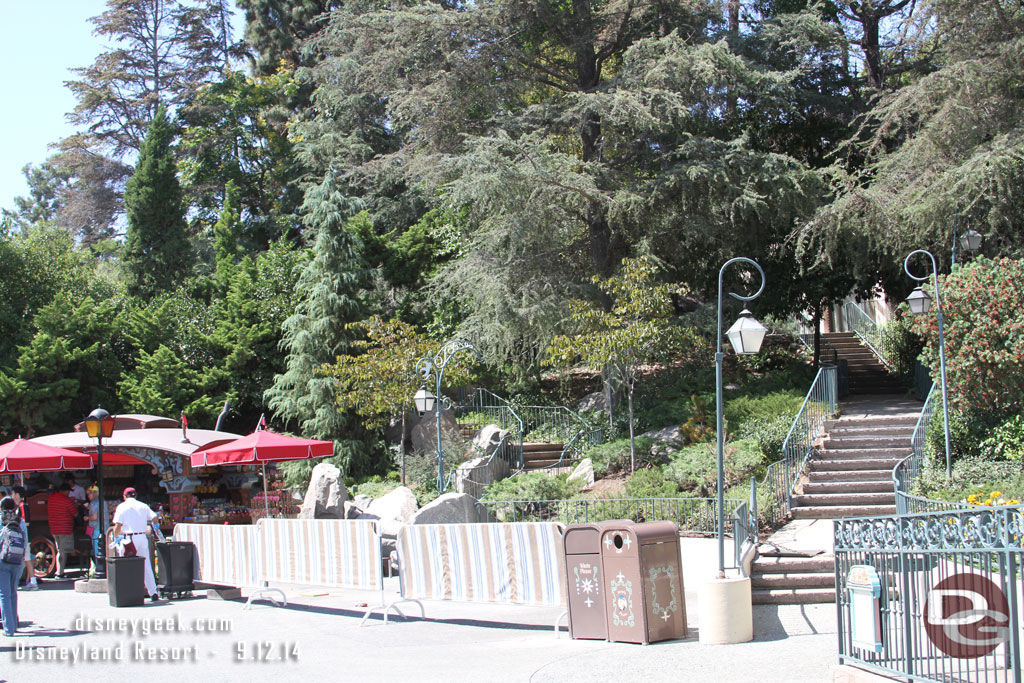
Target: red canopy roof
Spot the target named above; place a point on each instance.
(22, 455)
(260, 447)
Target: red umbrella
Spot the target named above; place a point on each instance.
(261, 447)
(22, 455)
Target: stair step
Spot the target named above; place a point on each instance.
(804, 596)
(854, 428)
(829, 485)
(793, 581)
(846, 464)
(532, 447)
(845, 422)
(841, 499)
(836, 511)
(845, 442)
(851, 475)
(819, 564)
(884, 453)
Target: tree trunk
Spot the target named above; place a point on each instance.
(816, 321)
(632, 440)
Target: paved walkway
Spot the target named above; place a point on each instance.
(317, 637)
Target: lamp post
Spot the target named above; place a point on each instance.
(432, 367)
(100, 425)
(921, 303)
(969, 241)
(746, 336)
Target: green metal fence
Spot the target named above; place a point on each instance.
(691, 515)
(907, 470)
(947, 606)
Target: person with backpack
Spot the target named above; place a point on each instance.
(12, 561)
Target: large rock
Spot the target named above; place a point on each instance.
(423, 435)
(326, 494)
(393, 509)
(584, 473)
(595, 401)
(474, 476)
(489, 437)
(666, 440)
(451, 508)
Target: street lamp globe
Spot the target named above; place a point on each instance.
(425, 401)
(746, 334)
(970, 241)
(100, 423)
(920, 301)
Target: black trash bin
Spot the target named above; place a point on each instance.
(175, 568)
(126, 581)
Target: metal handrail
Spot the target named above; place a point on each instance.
(807, 339)
(501, 413)
(692, 515)
(819, 405)
(866, 329)
(783, 475)
(907, 470)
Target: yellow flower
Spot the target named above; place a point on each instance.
(995, 494)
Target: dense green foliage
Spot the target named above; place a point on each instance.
(471, 169)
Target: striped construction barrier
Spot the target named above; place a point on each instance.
(227, 554)
(516, 564)
(322, 552)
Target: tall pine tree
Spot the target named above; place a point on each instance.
(157, 253)
(316, 334)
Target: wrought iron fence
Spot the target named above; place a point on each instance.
(782, 475)
(559, 425)
(691, 515)
(869, 332)
(481, 408)
(949, 594)
(907, 470)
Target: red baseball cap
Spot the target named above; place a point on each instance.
(130, 491)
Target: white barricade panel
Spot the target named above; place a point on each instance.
(322, 552)
(519, 563)
(228, 553)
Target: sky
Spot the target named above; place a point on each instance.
(40, 42)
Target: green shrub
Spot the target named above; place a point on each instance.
(532, 486)
(967, 430)
(651, 484)
(694, 468)
(769, 406)
(1006, 442)
(374, 489)
(971, 475)
(612, 457)
(768, 433)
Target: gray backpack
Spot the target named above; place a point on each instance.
(12, 545)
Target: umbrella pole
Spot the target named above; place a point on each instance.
(266, 501)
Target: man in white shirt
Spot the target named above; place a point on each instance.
(77, 493)
(134, 519)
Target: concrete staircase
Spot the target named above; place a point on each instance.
(868, 375)
(849, 475)
(540, 455)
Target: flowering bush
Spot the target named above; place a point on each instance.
(990, 499)
(984, 335)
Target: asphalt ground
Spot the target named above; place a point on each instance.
(317, 636)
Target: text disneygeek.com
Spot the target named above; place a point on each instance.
(136, 649)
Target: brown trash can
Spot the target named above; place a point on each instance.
(643, 584)
(581, 545)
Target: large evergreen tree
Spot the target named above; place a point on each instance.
(570, 136)
(157, 254)
(316, 334)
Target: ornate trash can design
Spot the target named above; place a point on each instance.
(643, 582)
(581, 544)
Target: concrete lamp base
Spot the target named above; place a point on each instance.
(726, 615)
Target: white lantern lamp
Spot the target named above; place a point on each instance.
(920, 301)
(746, 334)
